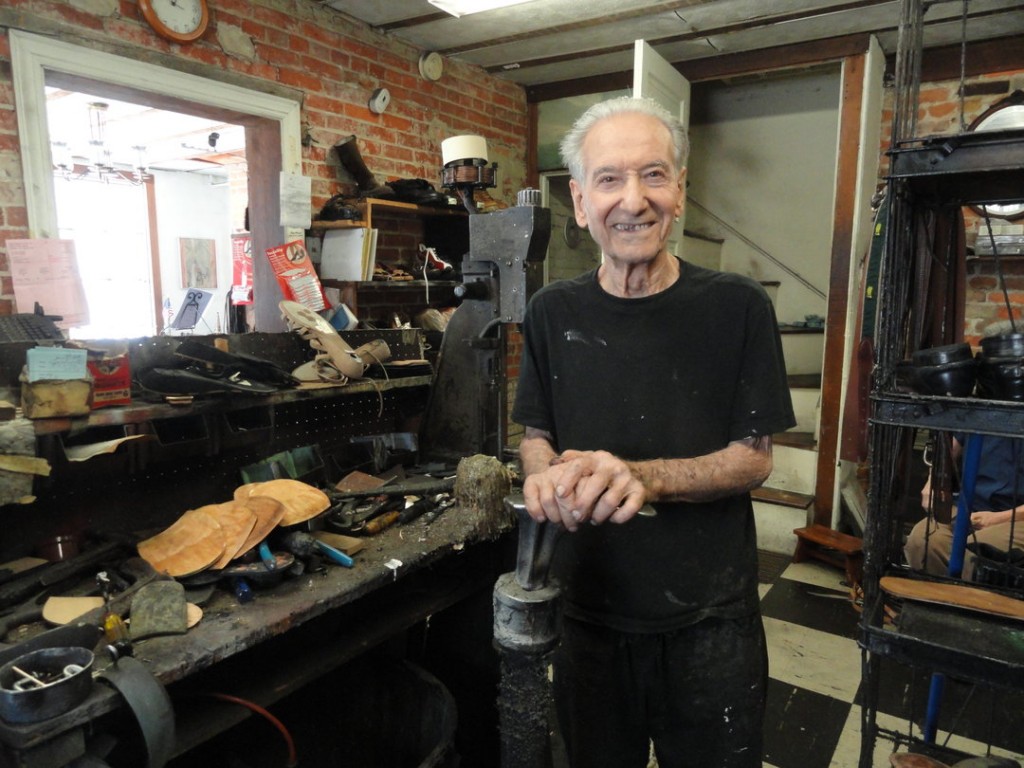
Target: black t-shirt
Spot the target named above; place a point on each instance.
(675, 375)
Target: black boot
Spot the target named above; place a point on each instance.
(352, 161)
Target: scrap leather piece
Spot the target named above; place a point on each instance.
(301, 500)
(236, 523)
(191, 544)
(159, 608)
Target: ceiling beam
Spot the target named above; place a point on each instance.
(597, 21)
(998, 55)
(942, 63)
(697, 34)
(716, 67)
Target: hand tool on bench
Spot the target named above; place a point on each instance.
(87, 630)
(417, 487)
(353, 516)
(19, 589)
(379, 523)
(418, 508)
(303, 544)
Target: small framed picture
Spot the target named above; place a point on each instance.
(198, 263)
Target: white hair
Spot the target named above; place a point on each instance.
(572, 145)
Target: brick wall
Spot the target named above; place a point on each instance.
(335, 61)
(940, 114)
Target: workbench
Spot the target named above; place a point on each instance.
(291, 633)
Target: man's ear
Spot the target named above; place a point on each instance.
(577, 203)
(681, 199)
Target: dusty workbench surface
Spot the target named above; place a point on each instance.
(392, 559)
(228, 627)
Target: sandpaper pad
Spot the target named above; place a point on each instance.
(347, 544)
(159, 608)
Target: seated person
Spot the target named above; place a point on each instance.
(997, 510)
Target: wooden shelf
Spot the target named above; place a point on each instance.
(368, 206)
(381, 284)
(143, 412)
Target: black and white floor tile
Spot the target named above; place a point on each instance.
(814, 717)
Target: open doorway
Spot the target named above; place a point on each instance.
(271, 122)
(154, 201)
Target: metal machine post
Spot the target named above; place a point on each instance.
(466, 411)
(527, 625)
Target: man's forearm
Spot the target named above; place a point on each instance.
(739, 467)
(536, 451)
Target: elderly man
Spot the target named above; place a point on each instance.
(650, 380)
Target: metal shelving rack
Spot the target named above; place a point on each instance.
(927, 174)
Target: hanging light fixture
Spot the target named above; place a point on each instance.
(96, 163)
(63, 160)
(139, 175)
(97, 142)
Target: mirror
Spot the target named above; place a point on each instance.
(1005, 114)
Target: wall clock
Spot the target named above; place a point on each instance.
(431, 65)
(180, 21)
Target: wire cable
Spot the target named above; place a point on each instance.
(293, 759)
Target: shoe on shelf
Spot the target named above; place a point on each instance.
(336, 361)
(323, 338)
(434, 266)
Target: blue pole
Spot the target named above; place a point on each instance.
(961, 527)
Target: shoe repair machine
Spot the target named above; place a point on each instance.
(466, 415)
(467, 409)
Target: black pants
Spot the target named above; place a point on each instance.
(698, 693)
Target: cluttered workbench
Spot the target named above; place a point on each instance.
(126, 481)
(307, 624)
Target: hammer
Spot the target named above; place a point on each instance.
(303, 545)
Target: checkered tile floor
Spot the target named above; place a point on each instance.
(813, 718)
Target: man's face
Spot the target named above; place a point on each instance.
(630, 192)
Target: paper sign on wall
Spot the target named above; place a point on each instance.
(46, 271)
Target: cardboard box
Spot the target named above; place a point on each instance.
(51, 398)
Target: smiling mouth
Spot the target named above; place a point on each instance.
(631, 227)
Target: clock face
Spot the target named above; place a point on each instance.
(177, 20)
(431, 65)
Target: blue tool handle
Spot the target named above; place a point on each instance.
(962, 524)
(267, 556)
(335, 554)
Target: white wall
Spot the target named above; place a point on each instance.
(763, 162)
(193, 205)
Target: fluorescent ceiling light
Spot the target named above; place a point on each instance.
(464, 7)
